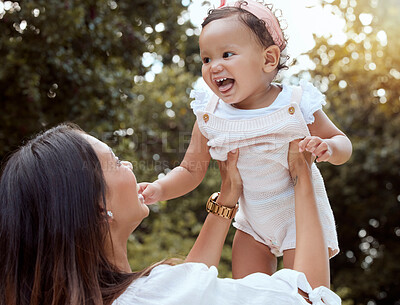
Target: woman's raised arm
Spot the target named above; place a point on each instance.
(311, 255)
(208, 246)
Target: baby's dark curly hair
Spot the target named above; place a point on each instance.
(256, 25)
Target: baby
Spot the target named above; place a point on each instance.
(241, 47)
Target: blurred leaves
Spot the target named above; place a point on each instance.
(123, 71)
(78, 61)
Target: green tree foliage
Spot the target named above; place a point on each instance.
(79, 60)
(362, 83)
(90, 62)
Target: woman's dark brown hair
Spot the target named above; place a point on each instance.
(257, 26)
(53, 225)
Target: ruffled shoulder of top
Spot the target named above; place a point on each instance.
(311, 101)
(297, 280)
(201, 98)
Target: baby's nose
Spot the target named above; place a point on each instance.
(217, 67)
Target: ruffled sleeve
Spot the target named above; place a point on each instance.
(311, 101)
(201, 98)
(297, 280)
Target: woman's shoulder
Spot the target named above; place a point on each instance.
(195, 283)
(166, 284)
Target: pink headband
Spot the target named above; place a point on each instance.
(263, 13)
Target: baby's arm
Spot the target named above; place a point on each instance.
(184, 178)
(326, 142)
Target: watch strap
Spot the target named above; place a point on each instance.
(213, 207)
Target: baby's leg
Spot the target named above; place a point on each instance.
(250, 256)
(288, 258)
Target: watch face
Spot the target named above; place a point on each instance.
(214, 196)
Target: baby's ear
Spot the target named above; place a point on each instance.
(272, 56)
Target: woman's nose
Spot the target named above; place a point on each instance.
(127, 164)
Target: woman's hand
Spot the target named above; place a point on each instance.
(231, 186)
(298, 161)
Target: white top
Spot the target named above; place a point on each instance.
(196, 284)
(311, 101)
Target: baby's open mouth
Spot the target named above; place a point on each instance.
(224, 84)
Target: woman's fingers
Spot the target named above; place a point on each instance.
(302, 143)
(233, 157)
(231, 186)
(231, 164)
(295, 149)
(295, 154)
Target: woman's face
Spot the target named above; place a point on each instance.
(122, 198)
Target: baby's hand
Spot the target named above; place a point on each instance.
(151, 192)
(317, 146)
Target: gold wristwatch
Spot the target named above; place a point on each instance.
(213, 207)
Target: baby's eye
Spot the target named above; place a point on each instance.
(227, 54)
(206, 60)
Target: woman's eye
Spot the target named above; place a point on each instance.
(119, 162)
(206, 60)
(227, 54)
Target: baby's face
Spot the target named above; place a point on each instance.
(233, 62)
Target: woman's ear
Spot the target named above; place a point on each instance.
(272, 56)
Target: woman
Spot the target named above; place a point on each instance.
(68, 206)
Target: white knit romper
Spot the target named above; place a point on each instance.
(266, 207)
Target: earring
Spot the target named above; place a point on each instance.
(110, 214)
